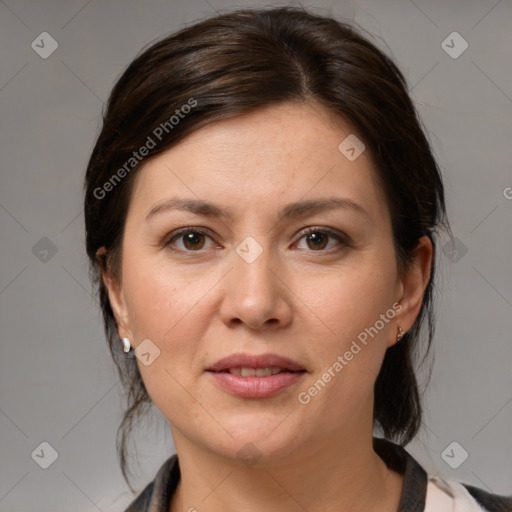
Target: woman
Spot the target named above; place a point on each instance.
(261, 211)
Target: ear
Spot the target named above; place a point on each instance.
(413, 284)
(116, 297)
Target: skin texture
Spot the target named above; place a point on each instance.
(202, 302)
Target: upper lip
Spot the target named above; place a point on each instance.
(255, 361)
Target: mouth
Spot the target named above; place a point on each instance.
(256, 372)
(270, 363)
(255, 376)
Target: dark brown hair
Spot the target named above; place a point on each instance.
(246, 60)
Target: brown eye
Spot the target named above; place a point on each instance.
(192, 240)
(317, 239)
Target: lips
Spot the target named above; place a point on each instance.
(248, 361)
(255, 376)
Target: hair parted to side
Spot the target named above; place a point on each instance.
(239, 62)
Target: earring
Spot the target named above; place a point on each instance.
(126, 345)
(400, 334)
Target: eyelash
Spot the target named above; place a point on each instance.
(342, 239)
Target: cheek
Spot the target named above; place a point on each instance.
(173, 308)
(355, 321)
(161, 298)
(346, 303)
(169, 308)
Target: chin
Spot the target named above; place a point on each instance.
(258, 438)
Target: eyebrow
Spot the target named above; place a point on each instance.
(290, 211)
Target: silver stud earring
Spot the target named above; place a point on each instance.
(126, 345)
(400, 334)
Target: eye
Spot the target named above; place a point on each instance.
(317, 238)
(193, 239)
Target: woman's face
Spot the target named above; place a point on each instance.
(252, 282)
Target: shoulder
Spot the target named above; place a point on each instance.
(490, 502)
(457, 496)
(141, 502)
(425, 493)
(157, 494)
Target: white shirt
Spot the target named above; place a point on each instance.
(448, 496)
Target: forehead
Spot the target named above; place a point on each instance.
(274, 155)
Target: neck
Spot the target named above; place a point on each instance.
(341, 476)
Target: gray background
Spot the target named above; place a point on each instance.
(57, 381)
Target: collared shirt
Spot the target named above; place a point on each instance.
(421, 492)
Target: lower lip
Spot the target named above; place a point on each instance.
(256, 387)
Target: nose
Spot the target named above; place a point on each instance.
(255, 294)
